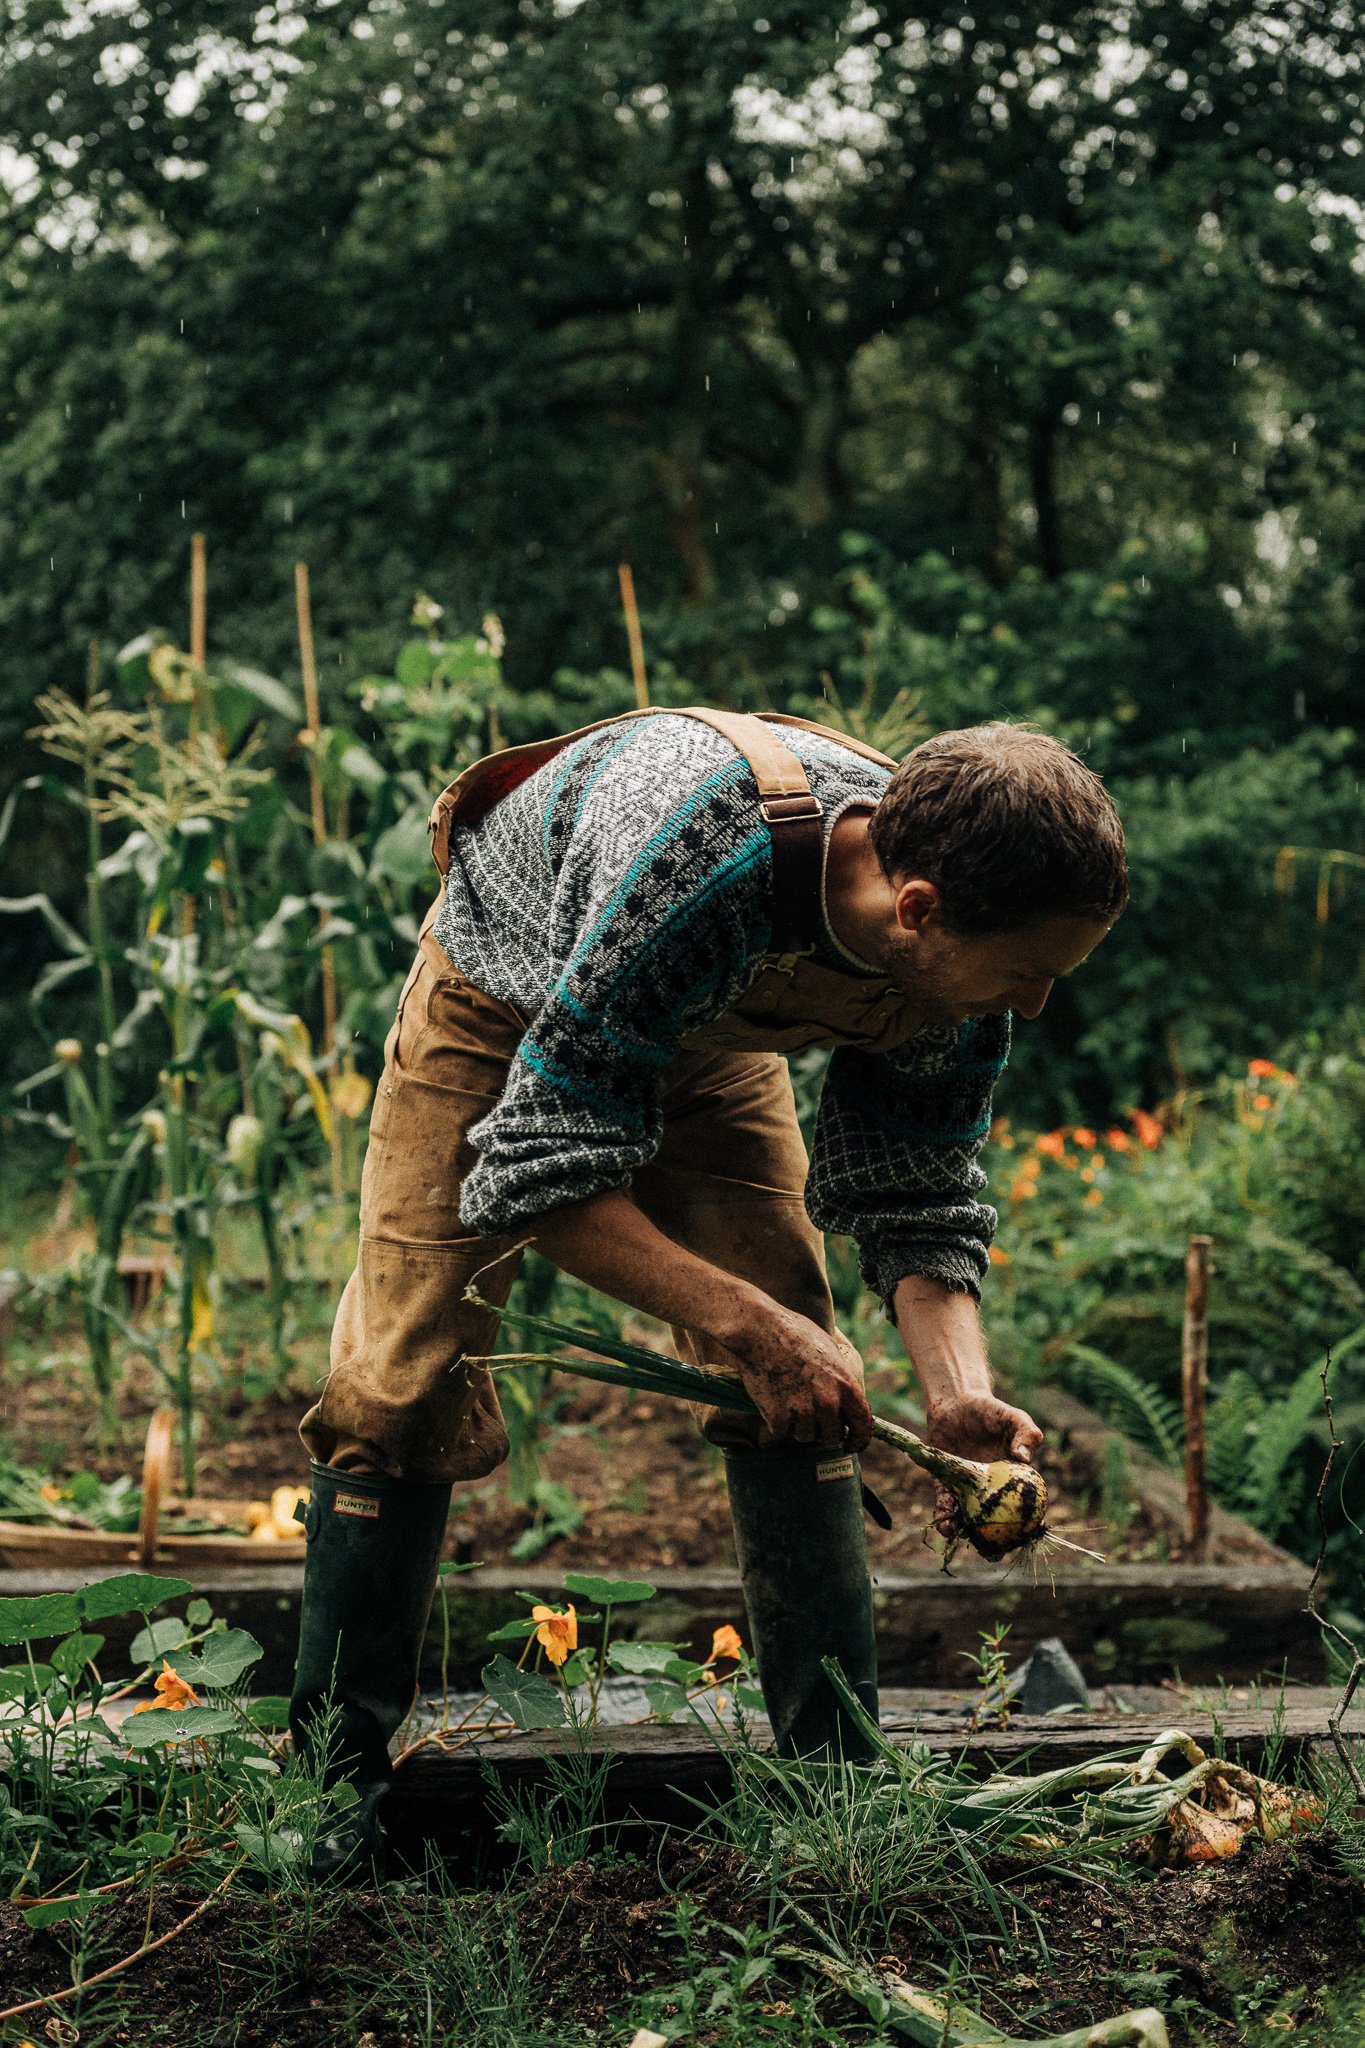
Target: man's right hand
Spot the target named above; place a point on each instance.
(806, 1385)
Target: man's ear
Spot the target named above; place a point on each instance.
(917, 906)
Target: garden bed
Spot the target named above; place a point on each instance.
(650, 1497)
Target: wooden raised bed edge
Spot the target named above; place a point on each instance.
(1236, 1620)
(440, 1799)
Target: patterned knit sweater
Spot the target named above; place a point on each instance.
(622, 896)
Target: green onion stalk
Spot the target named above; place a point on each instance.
(997, 1507)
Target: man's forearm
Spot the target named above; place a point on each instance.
(941, 1331)
(611, 1244)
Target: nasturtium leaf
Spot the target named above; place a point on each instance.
(18, 1681)
(152, 1643)
(166, 1724)
(513, 1631)
(524, 1696)
(751, 1699)
(28, 1619)
(199, 1613)
(271, 1710)
(577, 1669)
(55, 1910)
(71, 1656)
(607, 1592)
(128, 1593)
(222, 1660)
(447, 1569)
(664, 1697)
(642, 1657)
(153, 1843)
(342, 1795)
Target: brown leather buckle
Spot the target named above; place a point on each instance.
(791, 810)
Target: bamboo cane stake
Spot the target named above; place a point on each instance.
(312, 712)
(634, 636)
(198, 601)
(1194, 1378)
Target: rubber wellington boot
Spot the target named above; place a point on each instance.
(798, 1520)
(368, 1581)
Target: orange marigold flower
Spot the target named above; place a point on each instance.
(1263, 1070)
(1023, 1188)
(725, 1642)
(175, 1692)
(1087, 1173)
(1085, 1139)
(1149, 1133)
(1093, 1199)
(1118, 1141)
(1263, 1102)
(557, 1633)
(997, 1257)
(1053, 1143)
(1070, 1161)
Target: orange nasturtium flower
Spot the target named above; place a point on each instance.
(1084, 1138)
(1262, 1102)
(997, 1257)
(1262, 1070)
(725, 1642)
(1053, 1143)
(175, 1692)
(557, 1634)
(1147, 1128)
(1118, 1141)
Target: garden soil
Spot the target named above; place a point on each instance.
(1283, 1923)
(650, 1492)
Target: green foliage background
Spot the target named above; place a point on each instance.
(925, 366)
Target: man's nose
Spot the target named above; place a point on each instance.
(1032, 1006)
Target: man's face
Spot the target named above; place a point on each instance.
(956, 978)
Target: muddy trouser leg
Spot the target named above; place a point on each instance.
(402, 1414)
(797, 1510)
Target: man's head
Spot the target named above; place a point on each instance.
(1005, 860)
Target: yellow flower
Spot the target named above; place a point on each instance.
(175, 1692)
(725, 1642)
(350, 1095)
(557, 1634)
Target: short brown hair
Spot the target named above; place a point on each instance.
(1008, 824)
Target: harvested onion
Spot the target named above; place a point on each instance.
(998, 1507)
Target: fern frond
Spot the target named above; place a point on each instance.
(1128, 1401)
(1280, 1430)
(1234, 1411)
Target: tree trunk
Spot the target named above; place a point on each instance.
(1042, 452)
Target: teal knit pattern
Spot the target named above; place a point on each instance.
(621, 897)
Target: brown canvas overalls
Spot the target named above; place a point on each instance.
(727, 1181)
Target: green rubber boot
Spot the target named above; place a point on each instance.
(798, 1519)
(368, 1581)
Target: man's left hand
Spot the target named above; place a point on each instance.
(980, 1426)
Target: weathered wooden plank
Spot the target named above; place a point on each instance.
(1208, 1622)
(443, 1798)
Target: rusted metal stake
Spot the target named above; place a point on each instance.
(1194, 1376)
(634, 636)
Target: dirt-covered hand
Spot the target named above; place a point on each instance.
(806, 1384)
(980, 1426)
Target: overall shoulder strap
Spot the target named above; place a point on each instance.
(829, 732)
(786, 800)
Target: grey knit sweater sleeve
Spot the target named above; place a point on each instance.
(894, 1160)
(659, 909)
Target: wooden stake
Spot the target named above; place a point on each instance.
(1194, 1375)
(633, 635)
(313, 714)
(198, 601)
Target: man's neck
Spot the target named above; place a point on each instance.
(857, 894)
